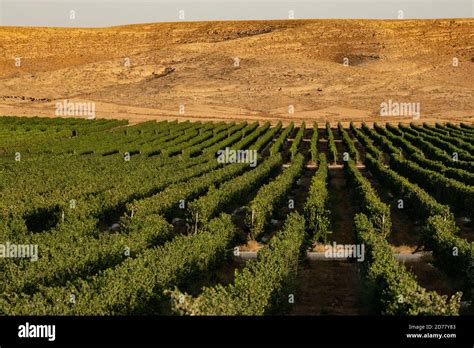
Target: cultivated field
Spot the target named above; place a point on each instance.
(98, 217)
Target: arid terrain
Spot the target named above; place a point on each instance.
(280, 63)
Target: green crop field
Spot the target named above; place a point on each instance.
(98, 217)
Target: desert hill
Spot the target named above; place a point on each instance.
(280, 63)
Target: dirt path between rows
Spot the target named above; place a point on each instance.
(332, 287)
(329, 288)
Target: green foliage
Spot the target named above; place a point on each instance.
(314, 143)
(463, 126)
(271, 195)
(438, 141)
(440, 227)
(368, 200)
(366, 142)
(196, 139)
(397, 290)
(205, 207)
(261, 288)
(446, 190)
(165, 201)
(348, 143)
(455, 139)
(315, 208)
(132, 269)
(252, 137)
(331, 144)
(416, 201)
(388, 135)
(452, 254)
(436, 153)
(219, 134)
(135, 285)
(277, 145)
(240, 139)
(56, 265)
(297, 141)
(263, 140)
(454, 173)
(416, 155)
(380, 140)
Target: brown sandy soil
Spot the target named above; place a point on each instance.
(432, 278)
(329, 288)
(340, 204)
(466, 229)
(282, 63)
(342, 211)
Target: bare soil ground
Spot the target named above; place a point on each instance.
(466, 229)
(342, 211)
(431, 278)
(332, 287)
(280, 63)
(340, 205)
(329, 288)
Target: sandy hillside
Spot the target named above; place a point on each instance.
(282, 63)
